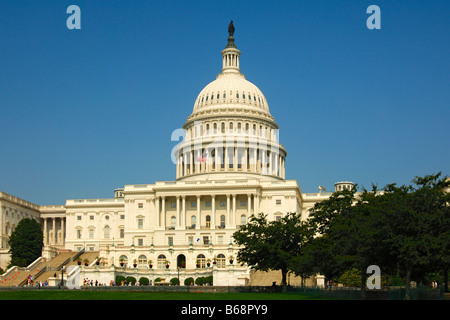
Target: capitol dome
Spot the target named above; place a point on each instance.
(230, 133)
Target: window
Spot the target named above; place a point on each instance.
(170, 241)
(191, 239)
(278, 202)
(140, 222)
(140, 205)
(122, 217)
(277, 218)
(124, 260)
(243, 219)
(78, 234)
(142, 262)
(140, 242)
(78, 217)
(206, 240)
(122, 233)
(91, 217)
(106, 232)
(220, 261)
(193, 222)
(208, 222)
(208, 203)
(161, 261)
(222, 203)
(193, 204)
(91, 233)
(173, 222)
(220, 240)
(201, 261)
(243, 203)
(173, 204)
(222, 221)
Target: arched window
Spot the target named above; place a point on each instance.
(123, 259)
(161, 261)
(142, 262)
(243, 219)
(106, 232)
(173, 222)
(208, 221)
(220, 261)
(222, 221)
(201, 261)
(193, 222)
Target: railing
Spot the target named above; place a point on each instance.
(78, 254)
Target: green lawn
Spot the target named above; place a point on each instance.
(126, 295)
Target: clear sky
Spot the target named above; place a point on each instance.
(85, 111)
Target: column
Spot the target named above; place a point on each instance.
(45, 231)
(54, 230)
(234, 211)
(163, 212)
(227, 160)
(228, 210)
(256, 204)
(63, 228)
(199, 212)
(235, 158)
(183, 215)
(157, 212)
(213, 212)
(178, 212)
(249, 205)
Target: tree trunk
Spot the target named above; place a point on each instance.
(283, 279)
(446, 279)
(363, 283)
(408, 284)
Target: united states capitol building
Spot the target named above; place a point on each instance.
(230, 164)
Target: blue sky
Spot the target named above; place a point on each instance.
(85, 111)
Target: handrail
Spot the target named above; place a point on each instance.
(78, 254)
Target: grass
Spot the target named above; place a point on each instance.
(127, 295)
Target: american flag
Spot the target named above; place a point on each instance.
(202, 158)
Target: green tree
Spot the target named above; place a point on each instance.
(272, 245)
(26, 242)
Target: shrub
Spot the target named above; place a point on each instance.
(144, 281)
(200, 281)
(119, 280)
(131, 280)
(188, 281)
(157, 280)
(209, 279)
(351, 278)
(174, 281)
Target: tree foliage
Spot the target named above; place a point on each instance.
(26, 242)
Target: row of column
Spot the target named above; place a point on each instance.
(181, 212)
(54, 236)
(236, 158)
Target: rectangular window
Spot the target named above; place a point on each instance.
(122, 217)
(140, 242)
(208, 203)
(193, 204)
(122, 233)
(170, 241)
(78, 217)
(78, 234)
(278, 202)
(191, 240)
(243, 203)
(140, 205)
(205, 239)
(173, 204)
(91, 233)
(223, 203)
(91, 217)
(220, 239)
(140, 223)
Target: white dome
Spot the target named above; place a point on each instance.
(231, 89)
